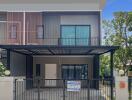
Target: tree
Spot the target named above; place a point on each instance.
(105, 66)
(118, 32)
(2, 69)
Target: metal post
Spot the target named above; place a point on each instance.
(111, 65)
(15, 90)
(24, 22)
(63, 89)
(38, 88)
(8, 59)
(88, 88)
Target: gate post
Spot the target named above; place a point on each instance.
(64, 89)
(15, 89)
(38, 81)
(111, 81)
(88, 89)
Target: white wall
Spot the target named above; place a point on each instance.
(51, 5)
(17, 64)
(6, 88)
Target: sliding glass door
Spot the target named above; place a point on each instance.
(75, 71)
(68, 35)
(75, 35)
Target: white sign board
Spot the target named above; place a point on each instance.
(73, 85)
(121, 88)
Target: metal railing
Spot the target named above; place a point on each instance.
(60, 89)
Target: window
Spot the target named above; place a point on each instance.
(75, 35)
(40, 32)
(68, 35)
(2, 18)
(75, 71)
(13, 32)
(37, 69)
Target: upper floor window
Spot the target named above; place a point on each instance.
(75, 35)
(40, 31)
(2, 18)
(13, 32)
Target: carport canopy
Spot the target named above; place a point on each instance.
(62, 50)
(59, 50)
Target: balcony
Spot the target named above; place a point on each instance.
(11, 33)
(94, 41)
(13, 37)
(37, 28)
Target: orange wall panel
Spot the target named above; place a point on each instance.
(33, 19)
(15, 19)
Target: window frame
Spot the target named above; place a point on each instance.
(89, 38)
(10, 31)
(37, 36)
(74, 69)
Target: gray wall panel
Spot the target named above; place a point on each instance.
(52, 29)
(17, 64)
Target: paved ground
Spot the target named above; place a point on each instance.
(58, 94)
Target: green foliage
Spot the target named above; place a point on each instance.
(2, 69)
(118, 32)
(105, 66)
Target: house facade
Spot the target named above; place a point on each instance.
(52, 39)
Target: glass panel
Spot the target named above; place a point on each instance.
(64, 72)
(40, 34)
(78, 72)
(84, 72)
(68, 35)
(75, 71)
(71, 72)
(82, 35)
(13, 32)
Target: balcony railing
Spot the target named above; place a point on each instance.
(77, 41)
(48, 41)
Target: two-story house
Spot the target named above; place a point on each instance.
(53, 39)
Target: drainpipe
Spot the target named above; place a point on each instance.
(24, 34)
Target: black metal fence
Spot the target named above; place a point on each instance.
(59, 89)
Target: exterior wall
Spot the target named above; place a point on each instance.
(6, 88)
(33, 19)
(16, 19)
(53, 21)
(3, 18)
(62, 60)
(17, 64)
(52, 29)
(51, 5)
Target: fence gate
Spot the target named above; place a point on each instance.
(37, 89)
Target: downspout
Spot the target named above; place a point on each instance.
(24, 22)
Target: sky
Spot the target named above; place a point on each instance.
(116, 5)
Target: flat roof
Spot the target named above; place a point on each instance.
(51, 5)
(59, 50)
